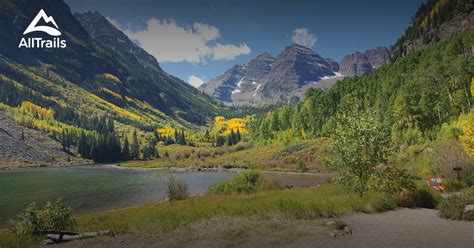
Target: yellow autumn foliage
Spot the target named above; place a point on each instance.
(466, 123)
(33, 108)
(110, 92)
(167, 131)
(111, 77)
(221, 125)
(120, 111)
(432, 13)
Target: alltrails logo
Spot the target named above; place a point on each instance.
(38, 42)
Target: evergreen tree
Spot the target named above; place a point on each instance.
(135, 147)
(182, 138)
(219, 140)
(233, 137)
(239, 137)
(176, 136)
(126, 149)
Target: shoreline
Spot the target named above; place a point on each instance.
(215, 169)
(170, 168)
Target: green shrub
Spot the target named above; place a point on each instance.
(401, 188)
(453, 207)
(176, 189)
(391, 182)
(244, 183)
(453, 185)
(426, 197)
(265, 183)
(54, 216)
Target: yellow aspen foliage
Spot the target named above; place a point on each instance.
(120, 111)
(221, 125)
(167, 131)
(434, 11)
(303, 134)
(110, 92)
(466, 123)
(33, 108)
(219, 120)
(111, 77)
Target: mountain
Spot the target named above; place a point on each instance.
(241, 82)
(358, 63)
(267, 80)
(91, 95)
(435, 20)
(355, 64)
(108, 37)
(95, 47)
(378, 56)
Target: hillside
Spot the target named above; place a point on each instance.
(98, 91)
(435, 20)
(95, 48)
(25, 146)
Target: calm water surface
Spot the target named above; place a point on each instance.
(100, 188)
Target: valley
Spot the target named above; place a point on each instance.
(285, 148)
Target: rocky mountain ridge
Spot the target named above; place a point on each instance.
(266, 80)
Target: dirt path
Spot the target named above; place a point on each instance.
(400, 228)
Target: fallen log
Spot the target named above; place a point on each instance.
(55, 236)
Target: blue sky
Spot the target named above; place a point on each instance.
(203, 38)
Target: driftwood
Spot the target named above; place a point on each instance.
(55, 236)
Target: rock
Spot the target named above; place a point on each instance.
(468, 212)
(360, 63)
(47, 242)
(378, 56)
(333, 234)
(469, 207)
(348, 230)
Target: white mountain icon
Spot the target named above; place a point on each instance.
(49, 30)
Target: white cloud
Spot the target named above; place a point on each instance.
(207, 32)
(195, 81)
(302, 36)
(170, 42)
(228, 52)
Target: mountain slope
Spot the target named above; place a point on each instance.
(96, 48)
(266, 80)
(241, 80)
(435, 20)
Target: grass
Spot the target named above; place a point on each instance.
(275, 157)
(313, 203)
(304, 204)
